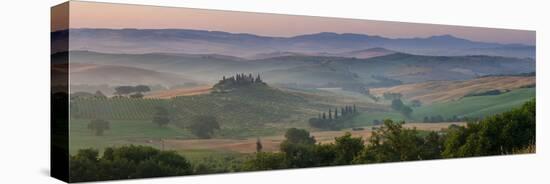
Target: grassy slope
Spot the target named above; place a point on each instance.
(121, 132)
(438, 91)
(139, 133)
(477, 105)
(243, 112)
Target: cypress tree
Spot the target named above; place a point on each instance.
(258, 145)
(258, 79)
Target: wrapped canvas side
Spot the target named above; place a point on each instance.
(59, 128)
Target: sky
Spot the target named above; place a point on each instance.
(118, 16)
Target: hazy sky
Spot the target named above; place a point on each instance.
(106, 15)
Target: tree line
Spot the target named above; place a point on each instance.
(454, 118)
(334, 119)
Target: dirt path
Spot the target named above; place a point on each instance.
(271, 143)
(166, 94)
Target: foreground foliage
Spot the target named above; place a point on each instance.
(126, 163)
(511, 132)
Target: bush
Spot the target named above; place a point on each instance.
(204, 126)
(126, 162)
(392, 143)
(498, 134)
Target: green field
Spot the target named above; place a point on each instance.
(121, 132)
(115, 108)
(474, 106)
(477, 106)
(241, 112)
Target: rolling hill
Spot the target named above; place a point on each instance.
(318, 71)
(444, 91)
(476, 106)
(94, 74)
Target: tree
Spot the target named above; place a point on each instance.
(406, 110)
(124, 90)
(298, 148)
(98, 126)
(416, 103)
(204, 126)
(265, 161)
(299, 136)
(136, 95)
(161, 117)
(397, 104)
(99, 94)
(433, 146)
(141, 89)
(391, 142)
(258, 145)
(258, 79)
(347, 148)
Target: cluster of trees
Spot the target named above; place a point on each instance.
(97, 95)
(334, 120)
(299, 150)
(389, 143)
(132, 91)
(454, 118)
(238, 80)
(126, 162)
(503, 133)
(398, 105)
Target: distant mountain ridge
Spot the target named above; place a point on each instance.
(136, 41)
(314, 71)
